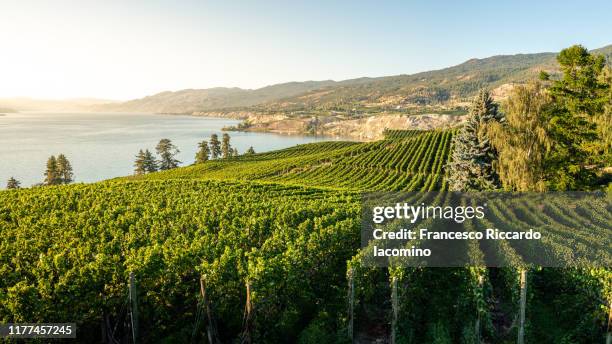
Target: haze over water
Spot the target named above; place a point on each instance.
(103, 145)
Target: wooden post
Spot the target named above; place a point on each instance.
(523, 305)
(395, 307)
(479, 315)
(609, 330)
(248, 308)
(133, 307)
(210, 328)
(351, 305)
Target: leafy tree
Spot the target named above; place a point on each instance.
(226, 148)
(235, 152)
(473, 156)
(150, 164)
(215, 146)
(64, 169)
(250, 151)
(139, 164)
(167, 152)
(523, 140)
(203, 153)
(52, 176)
(13, 184)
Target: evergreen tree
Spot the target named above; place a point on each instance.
(203, 153)
(150, 164)
(167, 151)
(235, 152)
(139, 163)
(250, 151)
(215, 146)
(13, 184)
(473, 156)
(578, 121)
(64, 170)
(51, 174)
(226, 148)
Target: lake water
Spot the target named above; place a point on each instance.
(103, 145)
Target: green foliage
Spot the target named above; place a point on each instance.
(215, 146)
(139, 163)
(150, 164)
(144, 163)
(64, 169)
(523, 141)
(203, 153)
(410, 164)
(13, 183)
(51, 173)
(471, 167)
(291, 244)
(59, 171)
(226, 147)
(167, 151)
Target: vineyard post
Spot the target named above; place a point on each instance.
(609, 329)
(351, 298)
(478, 310)
(210, 331)
(395, 306)
(133, 307)
(523, 303)
(248, 308)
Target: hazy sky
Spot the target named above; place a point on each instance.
(128, 49)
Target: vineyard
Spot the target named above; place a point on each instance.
(264, 248)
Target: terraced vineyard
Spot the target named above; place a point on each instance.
(265, 248)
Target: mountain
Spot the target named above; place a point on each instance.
(65, 105)
(450, 85)
(191, 100)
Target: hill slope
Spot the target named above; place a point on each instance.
(452, 84)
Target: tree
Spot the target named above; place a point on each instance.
(473, 156)
(235, 152)
(523, 140)
(64, 170)
(226, 148)
(250, 151)
(13, 184)
(167, 151)
(215, 146)
(150, 164)
(578, 120)
(51, 174)
(203, 153)
(139, 163)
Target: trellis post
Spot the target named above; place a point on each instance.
(523, 305)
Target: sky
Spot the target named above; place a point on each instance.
(129, 49)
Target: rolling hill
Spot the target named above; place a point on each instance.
(444, 86)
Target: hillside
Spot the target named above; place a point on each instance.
(450, 85)
(191, 100)
(61, 105)
(277, 235)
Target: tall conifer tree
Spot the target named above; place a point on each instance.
(64, 170)
(13, 184)
(226, 148)
(215, 146)
(473, 156)
(167, 152)
(51, 174)
(203, 152)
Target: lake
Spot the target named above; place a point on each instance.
(104, 145)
